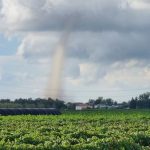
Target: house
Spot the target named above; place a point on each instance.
(113, 107)
(101, 106)
(104, 106)
(82, 106)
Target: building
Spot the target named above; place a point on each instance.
(103, 106)
(100, 106)
(82, 106)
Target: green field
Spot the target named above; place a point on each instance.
(88, 130)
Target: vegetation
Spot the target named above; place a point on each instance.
(30, 103)
(141, 102)
(80, 130)
(101, 100)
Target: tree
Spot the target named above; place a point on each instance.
(91, 102)
(109, 102)
(71, 106)
(99, 100)
(133, 103)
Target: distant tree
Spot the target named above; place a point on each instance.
(99, 100)
(109, 102)
(125, 104)
(115, 103)
(144, 100)
(91, 102)
(5, 101)
(59, 104)
(133, 103)
(32, 103)
(71, 106)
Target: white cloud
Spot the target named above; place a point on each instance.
(129, 76)
(38, 45)
(102, 48)
(139, 4)
(104, 60)
(92, 15)
(13, 14)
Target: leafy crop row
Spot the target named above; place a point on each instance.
(89, 130)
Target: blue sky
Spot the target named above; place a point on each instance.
(106, 46)
(8, 46)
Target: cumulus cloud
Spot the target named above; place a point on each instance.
(91, 56)
(38, 45)
(95, 15)
(103, 47)
(139, 4)
(130, 75)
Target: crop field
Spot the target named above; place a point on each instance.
(87, 130)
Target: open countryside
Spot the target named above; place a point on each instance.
(74, 74)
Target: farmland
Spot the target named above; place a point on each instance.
(86, 130)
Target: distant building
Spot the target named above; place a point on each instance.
(113, 107)
(101, 106)
(82, 106)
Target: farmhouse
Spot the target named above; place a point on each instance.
(101, 106)
(82, 106)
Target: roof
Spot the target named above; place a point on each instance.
(81, 104)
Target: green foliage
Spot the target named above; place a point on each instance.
(81, 130)
(141, 102)
(30, 103)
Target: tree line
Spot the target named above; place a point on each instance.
(140, 102)
(32, 103)
(102, 101)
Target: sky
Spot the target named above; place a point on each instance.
(107, 52)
